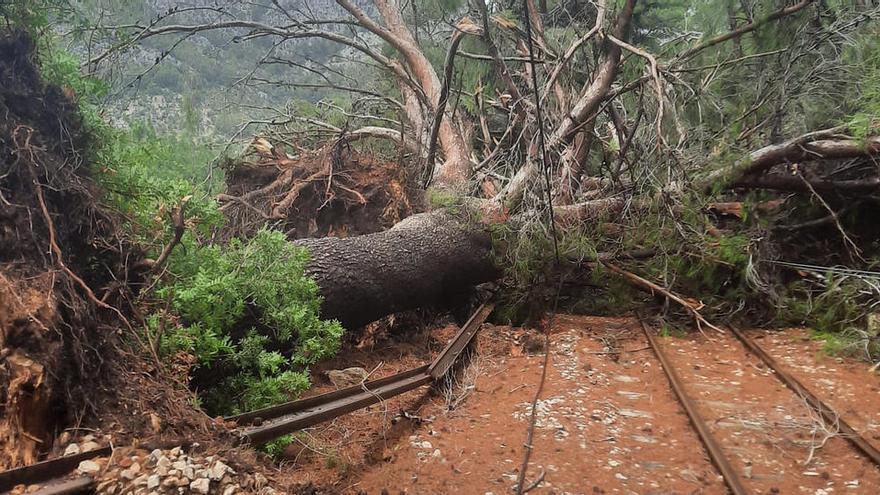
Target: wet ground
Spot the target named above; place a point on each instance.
(607, 420)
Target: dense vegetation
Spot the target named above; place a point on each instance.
(198, 302)
(628, 155)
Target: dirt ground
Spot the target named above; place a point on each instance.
(607, 420)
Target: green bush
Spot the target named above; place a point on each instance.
(215, 289)
(246, 310)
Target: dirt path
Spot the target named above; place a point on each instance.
(607, 420)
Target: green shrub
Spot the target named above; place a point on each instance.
(216, 289)
(245, 310)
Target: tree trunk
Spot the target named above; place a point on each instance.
(426, 259)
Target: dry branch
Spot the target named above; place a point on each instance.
(818, 145)
(747, 28)
(691, 307)
(178, 221)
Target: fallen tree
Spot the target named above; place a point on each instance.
(428, 259)
(634, 123)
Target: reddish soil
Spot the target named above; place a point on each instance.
(607, 420)
(770, 435)
(844, 384)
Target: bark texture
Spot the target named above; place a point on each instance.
(426, 259)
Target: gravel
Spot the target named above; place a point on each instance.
(163, 472)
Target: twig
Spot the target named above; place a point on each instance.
(465, 26)
(846, 239)
(600, 18)
(655, 75)
(178, 221)
(535, 483)
(531, 432)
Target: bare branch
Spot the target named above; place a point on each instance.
(747, 28)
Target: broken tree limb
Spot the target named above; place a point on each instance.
(796, 184)
(652, 288)
(464, 27)
(818, 145)
(179, 222)
(747, 28)
(584, 107)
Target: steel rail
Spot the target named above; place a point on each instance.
(46, 470)
(716, 454)
(318, 414)
(263, 425)
(445, 359)
(300, 414)
(254, 418)
(827, 413)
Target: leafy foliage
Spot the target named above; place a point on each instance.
(246, 310)
(216, 289)
(213, 289)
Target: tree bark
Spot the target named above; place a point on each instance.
(427, 259)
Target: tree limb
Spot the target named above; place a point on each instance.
(747, 28)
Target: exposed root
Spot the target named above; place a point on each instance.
(333, 191)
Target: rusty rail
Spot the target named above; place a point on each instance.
(46, 470)
(296, 415)
(731, 479)
(266, 424)
(827, 413)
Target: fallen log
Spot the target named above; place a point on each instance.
(426, 259)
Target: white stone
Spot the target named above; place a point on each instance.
(88, 467)
(153, 481)
(90, 446)
(201, 485)
(230, 490)
(72, 449)
(218, 470)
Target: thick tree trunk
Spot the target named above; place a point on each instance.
(455, 170)
(426, 259)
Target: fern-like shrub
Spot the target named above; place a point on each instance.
(257, 290)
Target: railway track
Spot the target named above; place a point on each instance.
(726, 442)
(719, 449)
(264, 425)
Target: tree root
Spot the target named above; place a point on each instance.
(25, 147)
